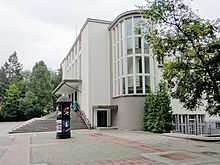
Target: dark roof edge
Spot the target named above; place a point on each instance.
(130, 12)
(63, 82)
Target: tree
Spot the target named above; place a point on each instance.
(3, 84)
(30, 105)
(26, 75)
(191, 47)
(9, 72)
(13, 68)
(158, 112)
(23, 86)
(40, 86)
(11, 110)
(56, 78)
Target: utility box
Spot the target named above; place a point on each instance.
(63, 129)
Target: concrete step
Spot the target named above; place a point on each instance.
(48, 123)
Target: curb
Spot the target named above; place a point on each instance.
(193, 137)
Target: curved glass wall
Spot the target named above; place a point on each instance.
(131, 65)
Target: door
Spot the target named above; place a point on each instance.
(102, 118)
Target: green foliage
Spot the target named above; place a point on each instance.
(3, 84)
(11, 110)
(26, 75)
(9, 72)
(23, 86)
(56, 78)
(40, 85)
(158, 112)
(13, 68)
(191, 47)
(30, 105)
(24, 94)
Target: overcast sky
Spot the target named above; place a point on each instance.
(46, 29)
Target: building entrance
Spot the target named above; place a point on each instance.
(102, 118)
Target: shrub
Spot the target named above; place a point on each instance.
(158, 112)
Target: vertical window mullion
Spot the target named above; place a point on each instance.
(143, 77)
(134, 66)
(119, 57)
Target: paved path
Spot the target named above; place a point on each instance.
(5, 127)
(105, 148)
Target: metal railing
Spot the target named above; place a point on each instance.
(83, 117)
(204, 129)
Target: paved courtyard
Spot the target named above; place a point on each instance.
(105, 148)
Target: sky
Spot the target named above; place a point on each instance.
(46, 29)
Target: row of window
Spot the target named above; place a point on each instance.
(129, 26)
(134, 45)
(73, 71)
(132, 40)
(131, 61)
(131, 65)
(132, 85)
(71, 66)
(72, 63)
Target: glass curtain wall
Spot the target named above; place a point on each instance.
(131, 65)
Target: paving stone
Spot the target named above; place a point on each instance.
(94, 147)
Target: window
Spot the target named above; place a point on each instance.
(130, 57)
(114, 70)
(123, 66)
(118, 53)
(160, 61)
(117, 31)
(76, 50)
(123, 86)
(128, 26)
(138, 63)
(122, 37)
(147, 84)
(217, 125)
(119, 69)
(137, 24)
(146, 64)
(118, 87)
(80, 42)
(137, 45)
(130, 65)
(121, 48)
(121, 30)
(115, 88)
(129, 46)
(130, 85)
(113, 37)
(114, 54)
(139, 84)
(146, 48)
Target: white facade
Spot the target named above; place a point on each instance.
(89, 61)
(114, 70)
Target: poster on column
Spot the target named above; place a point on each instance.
(66, 125)
(59, 126)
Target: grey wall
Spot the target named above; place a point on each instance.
(130, 112)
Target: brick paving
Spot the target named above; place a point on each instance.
(91, 147)
(134, 161)
(129, 143)
(176, 156)
(19, 151)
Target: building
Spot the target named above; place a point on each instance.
(110, 69)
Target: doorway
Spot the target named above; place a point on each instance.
(102, 118)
